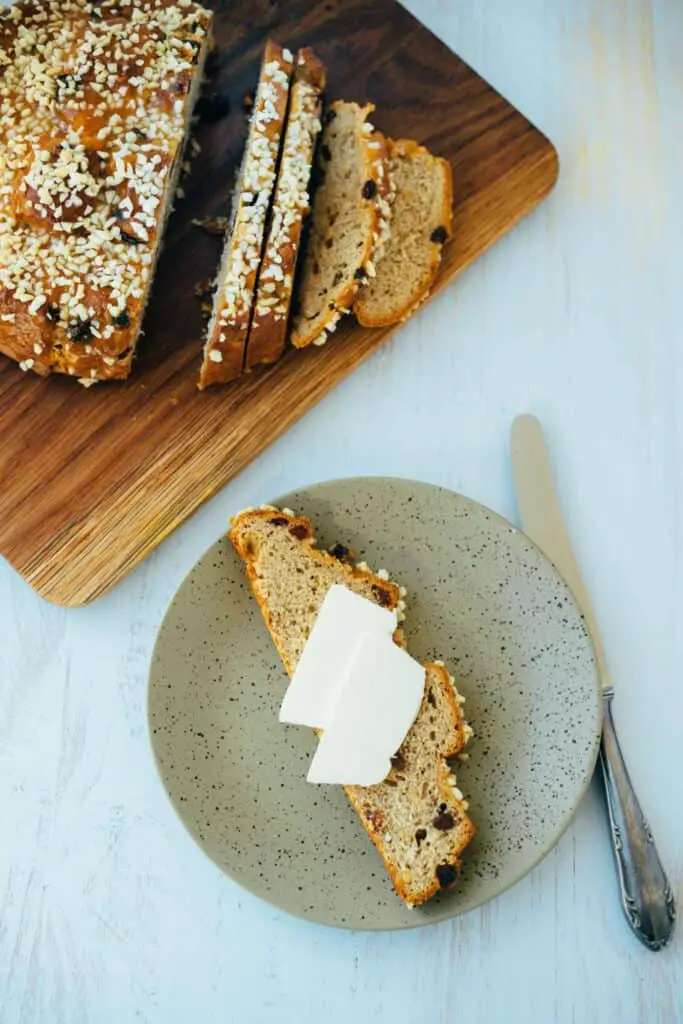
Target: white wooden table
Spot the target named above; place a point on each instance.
(108, 912)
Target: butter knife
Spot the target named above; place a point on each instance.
(646, 894)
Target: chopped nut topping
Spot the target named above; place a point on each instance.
(93, 104)
(290, 202)
(235, 292)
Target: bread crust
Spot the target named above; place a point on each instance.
(417, 295)
(268, 331)
(228, 330)
(360, 797)
(86, 183)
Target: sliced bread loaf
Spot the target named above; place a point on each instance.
(290, 205)
(417, 817)
(421, 223)
(234, 297)
(351, 211)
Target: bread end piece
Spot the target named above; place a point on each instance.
(422, 217)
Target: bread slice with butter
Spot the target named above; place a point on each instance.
(417, 818)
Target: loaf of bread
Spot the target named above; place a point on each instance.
(268, 331)
(95, 104)
(228, 329)
(417, 818)
(350, 222)
(421, 224)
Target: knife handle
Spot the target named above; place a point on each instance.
(646, 894)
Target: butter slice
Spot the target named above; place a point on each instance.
(375, 706)
(343, 619)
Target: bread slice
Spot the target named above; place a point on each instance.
(228, 327)
(421, 223)
(417, 817)
(268, 331)
(96, 104)
(351, 213)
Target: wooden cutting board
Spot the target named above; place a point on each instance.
(92, 480)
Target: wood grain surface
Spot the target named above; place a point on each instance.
(92, 481)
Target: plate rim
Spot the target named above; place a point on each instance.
(419, 922)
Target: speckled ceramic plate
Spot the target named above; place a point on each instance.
(480, 596)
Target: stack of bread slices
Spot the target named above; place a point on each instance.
(380, 212)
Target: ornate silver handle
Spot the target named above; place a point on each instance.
(646, 895)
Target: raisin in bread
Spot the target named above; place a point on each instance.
(95, 106)
(268, 331)
(421, 223)
(349, 223)
(417, 817)
(228, 328)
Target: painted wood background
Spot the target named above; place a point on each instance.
(108, 914)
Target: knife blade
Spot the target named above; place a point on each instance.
(646, 895)
(542, 521)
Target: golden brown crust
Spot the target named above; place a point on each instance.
(231, 348)
(375, 169)
(225, 348)
(414, 299)
(97, 112)
(360, 796)
(268, 332)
